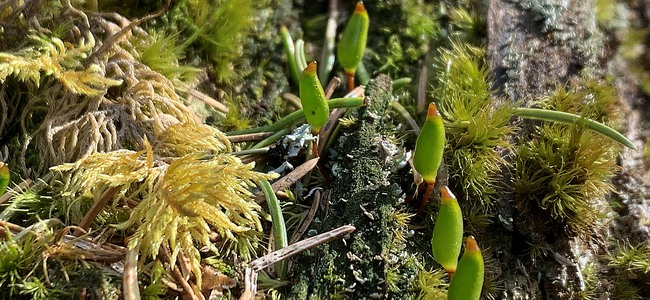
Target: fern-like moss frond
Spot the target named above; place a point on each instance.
(185, 138)
(130, 172)
(195, 196)
(51, 56)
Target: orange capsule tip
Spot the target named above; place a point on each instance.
(360, 9)
(471, 244)
(446, 194)
(433, 110)
(311, 67)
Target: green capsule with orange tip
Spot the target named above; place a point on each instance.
(429, 148)
(430, 145)
(467, 283)
(4, 177)
(448, 232)
(353, 42)
(312, 98)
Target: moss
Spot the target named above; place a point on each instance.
(38, 266)
(477, 129)
(593, 286)
(564, 171)
(432, 284)
(160, 51)
(368, 263)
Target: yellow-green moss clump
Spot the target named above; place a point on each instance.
(564, 171)
(477, 127)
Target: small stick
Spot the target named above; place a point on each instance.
(250, 279)
(90, 216)
(130, 276)
(422, 88)
(327, 53)
(293, 100)
(331, 86)
(186, 267)
(184, 284)
(249, 137)
(290, 178)
(310, 217)
(209, 100)
(293, 249)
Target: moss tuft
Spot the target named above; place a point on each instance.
(433, 284)
(564, 171)
(476, 129)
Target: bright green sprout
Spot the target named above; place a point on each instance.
(290, 50)
(448, 232)
(429, 149)
(313, 100)
(279, 227)
(353, 42)
(467, 283)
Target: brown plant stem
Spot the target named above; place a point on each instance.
(90, 216)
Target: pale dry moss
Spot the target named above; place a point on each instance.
(67, 84)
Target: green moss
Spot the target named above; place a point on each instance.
(217, 29)
(161, 52)
(432, 284)
(630, 269)
(26, 256)
(632, 259)
(593, 286)
(564, 171)
(477, 129)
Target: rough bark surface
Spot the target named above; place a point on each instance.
(534, 46)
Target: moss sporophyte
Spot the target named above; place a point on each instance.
(429, 149)
(353, 42)
(448, 232)
(313, 100)
(468, 281)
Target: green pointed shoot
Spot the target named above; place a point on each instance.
(313, 100)
(4, 177)
(430, 145)
(569, 118)
(301, 61)
(278, 224)
(468, 281)
(448, 232)
(353, 42)
(290, 51)
(429, 148)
